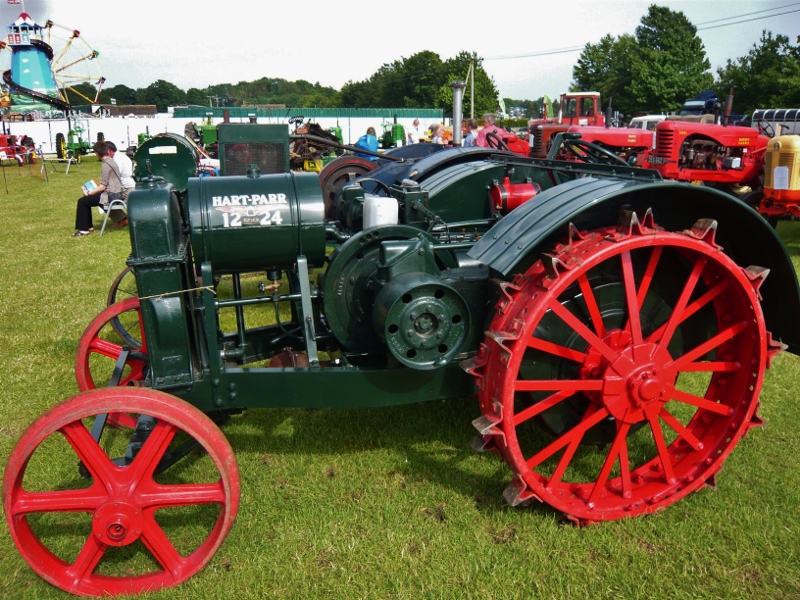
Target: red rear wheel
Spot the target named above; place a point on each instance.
(640, 355)
(125, 529)
(100, 348)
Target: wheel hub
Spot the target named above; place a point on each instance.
(636, 385)
(117, 523)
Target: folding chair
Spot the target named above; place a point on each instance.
(111, 206)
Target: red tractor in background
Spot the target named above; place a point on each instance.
(727, 157)
(579, 109)
(633, 145)
(18, 148)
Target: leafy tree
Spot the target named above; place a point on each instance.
(121, 93)
(197, 97)
(655, 70)
(162, 94)
(486, 92)
(670, 63)
(357, 94)
(422, 76)
(605, 67)
(768, 76)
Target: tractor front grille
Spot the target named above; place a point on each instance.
(664, 138)
(270, 157)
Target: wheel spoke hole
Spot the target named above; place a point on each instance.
(62, 533)
(187, 527)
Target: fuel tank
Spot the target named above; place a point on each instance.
(256, 222)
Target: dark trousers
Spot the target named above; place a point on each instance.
(83, 212)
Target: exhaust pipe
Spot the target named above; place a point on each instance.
(728, 108)
(458, 102)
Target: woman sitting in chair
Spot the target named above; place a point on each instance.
(110, 188)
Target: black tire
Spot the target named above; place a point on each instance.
(122, 288)
(61, 146)
(339, 173)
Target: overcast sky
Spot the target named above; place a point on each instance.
(196, 44)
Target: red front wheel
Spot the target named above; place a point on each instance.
(131, 526)
(622, 370)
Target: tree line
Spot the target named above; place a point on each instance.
(664, 63)
(652, 71)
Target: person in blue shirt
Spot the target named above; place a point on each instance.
(472, 133)
(368, 142)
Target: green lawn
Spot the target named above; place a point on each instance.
(389, 502)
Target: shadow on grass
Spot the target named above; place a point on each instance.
(432, 437)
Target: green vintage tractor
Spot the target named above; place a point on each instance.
(75, 144)
(615, 328)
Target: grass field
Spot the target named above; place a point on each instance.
(389, 502)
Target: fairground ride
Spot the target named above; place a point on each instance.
(44, 67)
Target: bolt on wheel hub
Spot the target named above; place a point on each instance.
(117, 523)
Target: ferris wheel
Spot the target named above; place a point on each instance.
(49, 63)
(74, 62)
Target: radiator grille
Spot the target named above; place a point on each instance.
(664, 142)
(269, 156)
(785, 159)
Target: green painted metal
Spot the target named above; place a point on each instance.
(392, 311)
(166, 155)
(244, 144)
(238, 227)
(160, 262)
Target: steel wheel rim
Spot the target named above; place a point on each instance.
(92, 344)
(707, 436)
(117, 493)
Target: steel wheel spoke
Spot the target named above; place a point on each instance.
(691, 309)
(555, 349)
(569, 453)
(688, 288)
(661, 445)
(634, 322)
(87, 560)
(546, 385)
(146, 461)
(90, 453)
(106, 348)
(85, 500)
(648, 275)
(583, 331)
(161, 547)
(679, 428)
(591, 305)
(541, 406)
(166, 496)
(616, 451)
(720, 409)
(712, 366)
(708, 346)
(574, 433)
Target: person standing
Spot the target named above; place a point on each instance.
(488, 127)
(369, 142)
(412, 133)
(110, 183)
(472, 132)
(437, 134)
